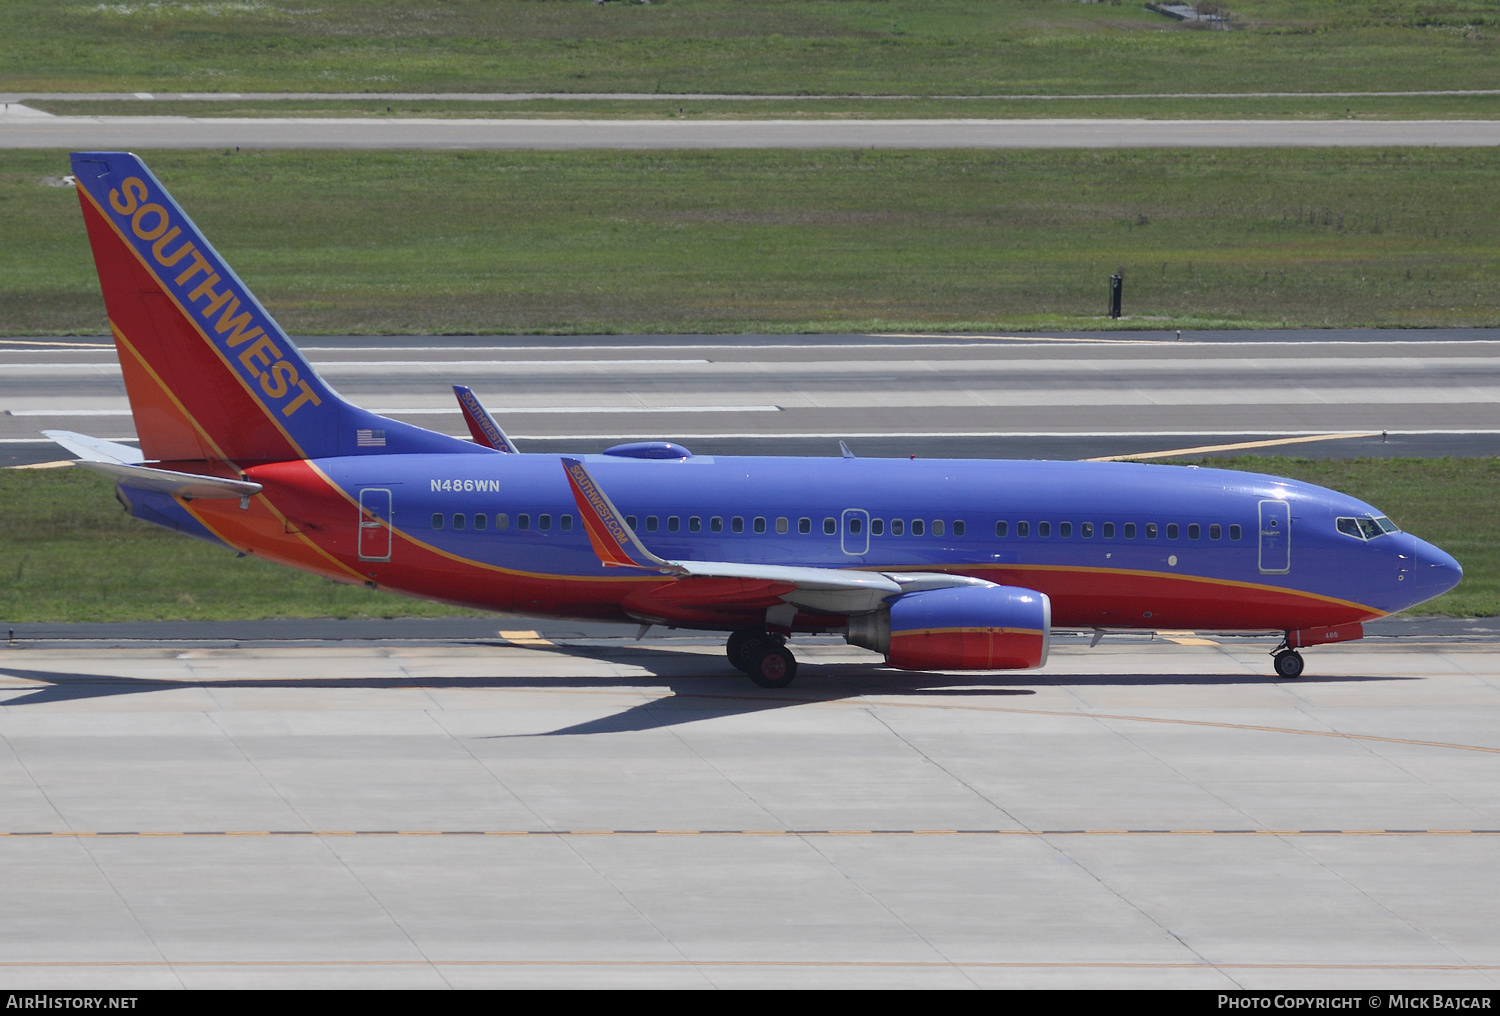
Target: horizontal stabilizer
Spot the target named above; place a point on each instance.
(95, 449)
(168, 481)
(146, 477)
(486, 432)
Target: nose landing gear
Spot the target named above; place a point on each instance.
(762, 656)
(1288, 662)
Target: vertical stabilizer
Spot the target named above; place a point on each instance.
(209, 373)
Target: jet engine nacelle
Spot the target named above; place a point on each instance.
(961, 628)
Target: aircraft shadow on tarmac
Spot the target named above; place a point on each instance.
(702, 687)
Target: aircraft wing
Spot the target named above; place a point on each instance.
(121, 463)
(821, 590)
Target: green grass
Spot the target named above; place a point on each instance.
(924, 47)
(71, 554)
(732, 241)
(1402, 107)
(1447, 502)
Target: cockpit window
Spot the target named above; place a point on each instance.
(1367, 528)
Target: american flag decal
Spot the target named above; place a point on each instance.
(370, 438)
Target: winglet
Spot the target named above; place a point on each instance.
(481, 424)
(614, 541)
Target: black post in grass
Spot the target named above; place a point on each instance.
(1116, 284)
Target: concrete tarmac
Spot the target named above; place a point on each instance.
(99, 133)
(1315, 393)
(550, 812)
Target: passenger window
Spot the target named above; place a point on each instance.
(544, 522)
(480, 520)
(1002, 528)
(458, 522)
(1130, 530)
(958, 527)
(1150, 530)
(898, 528)
(1065, 529)
(630, 520)
(737, 524)
(716, 524)
(1086, 530)
(1172, 530)
(1215, 531)
(856, 525)
(916, 527)
(804, 526)
(567, 523)
(651, 523)
(760, 524)
(1194, 531)
(782, 526)
(695, 524)
(673, 523)
(877, 527)
(1023, 529)
(937, 527)
(1044, 529)
(1234, 532)
(502, 521)
(437, 520)
(830, 526)
(523, 521)
(1109, 530)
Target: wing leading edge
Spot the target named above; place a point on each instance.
(821, 590)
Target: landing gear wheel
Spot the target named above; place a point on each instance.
(1289, 663)
(772, 666)
(741, 645)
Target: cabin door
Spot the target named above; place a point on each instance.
(856, 531)
(1275, 537)
(374, 524)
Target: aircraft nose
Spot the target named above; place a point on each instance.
(1435, 571)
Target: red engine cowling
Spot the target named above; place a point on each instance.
(962, 628)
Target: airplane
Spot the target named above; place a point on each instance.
(934, 564)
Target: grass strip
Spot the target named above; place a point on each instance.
(70, 553)
(925, 47)
(794, 241)
(1328, 107)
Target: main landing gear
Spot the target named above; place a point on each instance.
(762, 655)
(1288, 662)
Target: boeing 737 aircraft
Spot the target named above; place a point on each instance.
(943, 565)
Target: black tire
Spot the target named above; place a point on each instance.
(772, 666)
(1289, 663)
(740, 647)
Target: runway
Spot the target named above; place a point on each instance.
(146, 132)
(521, 811)
(1317, 393)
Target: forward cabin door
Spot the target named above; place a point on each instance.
(1275, 537)
(374, 524)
